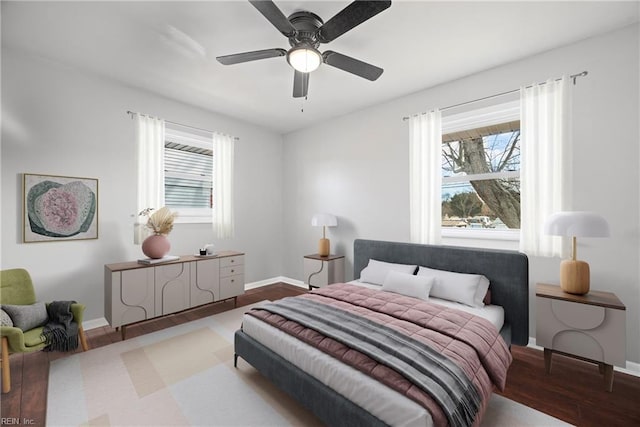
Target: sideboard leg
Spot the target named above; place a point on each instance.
(608, 377)
(547, 360)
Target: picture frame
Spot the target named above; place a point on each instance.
(59, 208)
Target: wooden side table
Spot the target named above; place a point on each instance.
(589, 327)
(321, 271)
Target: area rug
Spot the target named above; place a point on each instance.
(184, 375)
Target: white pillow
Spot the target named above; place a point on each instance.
(468, 289)
(408, 284)
(376, 271)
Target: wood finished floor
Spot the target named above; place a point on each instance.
(573, 392)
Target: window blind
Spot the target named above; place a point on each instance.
(188, 159)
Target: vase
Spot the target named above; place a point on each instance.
(156, 246)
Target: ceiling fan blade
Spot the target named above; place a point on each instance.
(300, 84)
(349, 17)
(237, 58)
(352, 65)
(275, 16)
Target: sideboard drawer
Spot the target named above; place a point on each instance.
(231, 261)
(231, 271)
(231, 286)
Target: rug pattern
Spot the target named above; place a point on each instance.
(184, 375)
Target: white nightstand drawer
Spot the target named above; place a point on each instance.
(578, 316)
(578, 343)
(591, 327)
(593, 332)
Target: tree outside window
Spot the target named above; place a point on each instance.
(481, 177)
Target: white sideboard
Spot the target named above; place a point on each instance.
(134, 292)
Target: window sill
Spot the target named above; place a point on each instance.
(194, 216)
(506, 235)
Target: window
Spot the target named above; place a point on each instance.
(481, 172)
(188, 169)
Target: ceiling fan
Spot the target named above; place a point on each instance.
(305, 31)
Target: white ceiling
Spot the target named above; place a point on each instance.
(170, 48)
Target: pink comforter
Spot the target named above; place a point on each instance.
(472, 342)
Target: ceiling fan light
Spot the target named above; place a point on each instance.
(304, 58)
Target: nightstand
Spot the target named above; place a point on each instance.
(321, 271)
(589, 327)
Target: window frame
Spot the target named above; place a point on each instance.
(196, 138)
(476, 118)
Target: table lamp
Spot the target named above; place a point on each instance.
(574, 274)
(324, 220)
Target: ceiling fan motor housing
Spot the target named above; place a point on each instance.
(306, 25)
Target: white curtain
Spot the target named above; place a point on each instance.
(545, 167)
(223, 146)
(149, 136)
(425, 175)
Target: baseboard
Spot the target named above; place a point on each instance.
(94, 323)
(632, 368)
(101, 321)
(273, 280)
(294, 282)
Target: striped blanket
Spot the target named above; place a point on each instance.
(444, 359)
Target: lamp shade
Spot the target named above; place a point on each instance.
(324, 220)
(577, 224)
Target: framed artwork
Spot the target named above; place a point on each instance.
(57, 208)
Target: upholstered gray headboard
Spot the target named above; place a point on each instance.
(508, 272)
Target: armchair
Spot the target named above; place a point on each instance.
(16, 288)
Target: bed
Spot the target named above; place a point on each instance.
(328, 389)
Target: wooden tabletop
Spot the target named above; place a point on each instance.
(130, 265)
(603, 299)
(324, 258)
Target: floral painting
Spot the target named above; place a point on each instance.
(59, 208)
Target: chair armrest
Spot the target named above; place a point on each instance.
(78, 312)
(15, 337)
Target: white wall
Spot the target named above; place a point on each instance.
(59, 121)
(356, 166)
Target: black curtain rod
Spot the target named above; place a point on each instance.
(131, 113)
(572, 77)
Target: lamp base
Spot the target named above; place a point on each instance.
(324, 247)
(574, 277)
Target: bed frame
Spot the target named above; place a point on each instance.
(508, 272)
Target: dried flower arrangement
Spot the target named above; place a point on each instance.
(160, 221)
